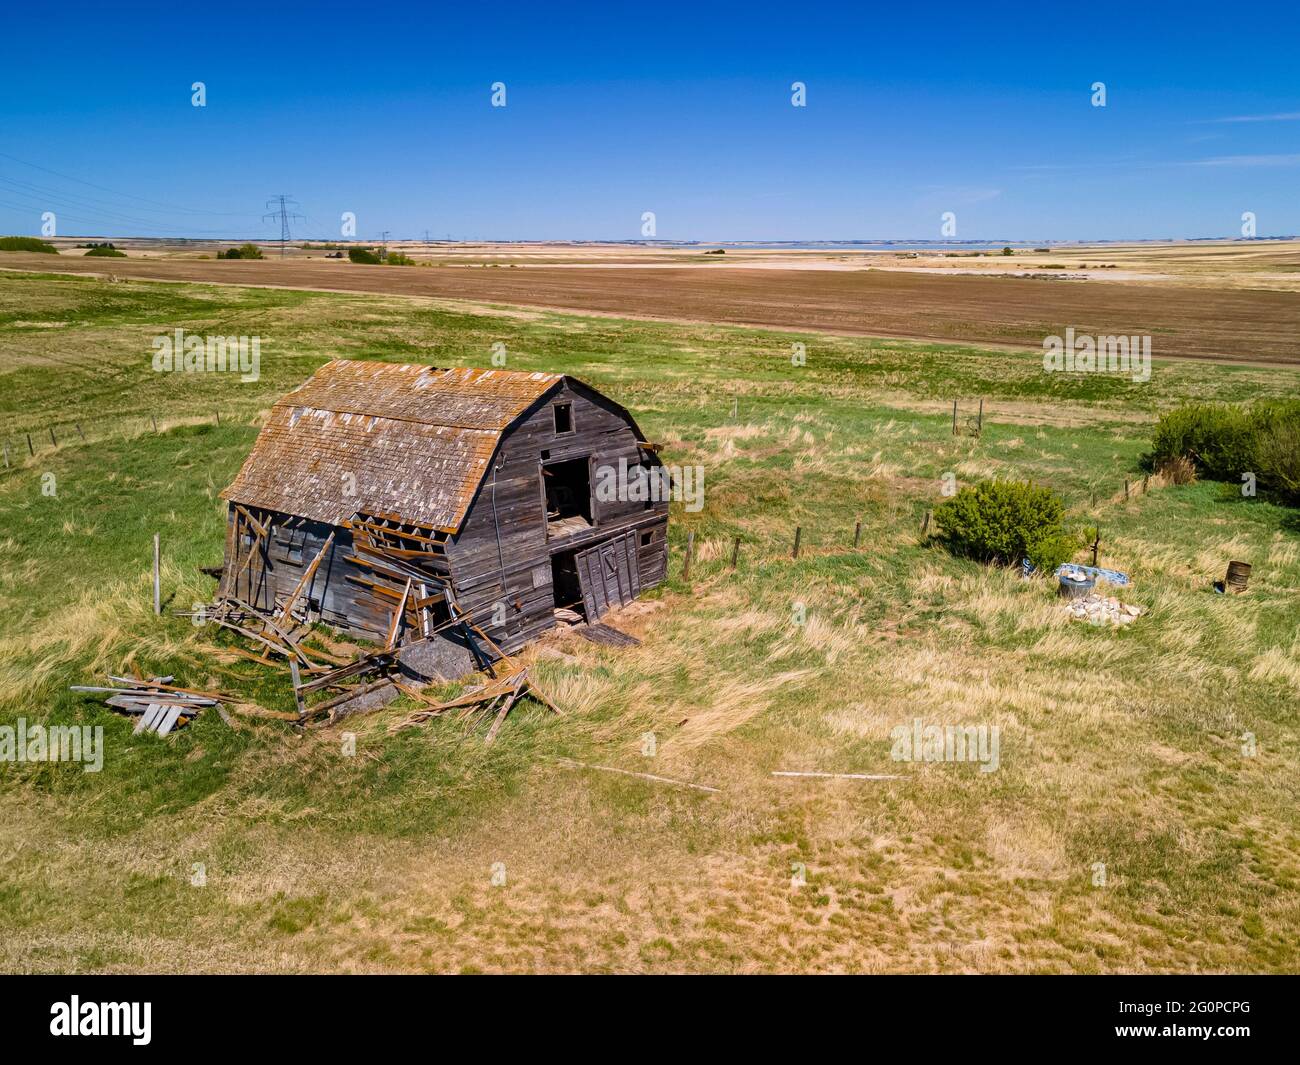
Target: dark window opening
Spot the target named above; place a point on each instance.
(546, 453)
(646, 537)
(568, 495)
(563, 418)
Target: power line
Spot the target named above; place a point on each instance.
(86, 206)
(127, 195)
(281, 205)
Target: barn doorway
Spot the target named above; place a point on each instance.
(567, 492)
(564, 582)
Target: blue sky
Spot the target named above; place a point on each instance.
(615, 109)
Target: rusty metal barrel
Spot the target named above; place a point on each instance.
(1238, 576)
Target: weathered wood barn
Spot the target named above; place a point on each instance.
(406, 503)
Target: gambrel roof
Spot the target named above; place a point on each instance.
(385, 438)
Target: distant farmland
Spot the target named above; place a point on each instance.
(1237, 324)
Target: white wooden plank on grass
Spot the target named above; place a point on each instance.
(168, 721)
(146, 719)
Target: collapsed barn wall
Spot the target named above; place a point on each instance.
(279, 561)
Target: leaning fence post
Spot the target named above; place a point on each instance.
(30, 450)
(925, 522)
(157, 584)
(686, 562)
(798, 532)
(218, 414)
(735, 552)
(52, 438)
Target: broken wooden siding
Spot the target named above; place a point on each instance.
(335, 594)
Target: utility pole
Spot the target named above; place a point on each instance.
(280, 210)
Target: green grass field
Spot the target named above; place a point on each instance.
(1118, 748)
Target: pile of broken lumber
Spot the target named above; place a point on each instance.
(493, 700)
(278, 633)
(161, 705)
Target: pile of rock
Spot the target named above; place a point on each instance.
(1103, 610)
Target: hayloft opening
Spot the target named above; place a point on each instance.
(568, 495)
(563, 418)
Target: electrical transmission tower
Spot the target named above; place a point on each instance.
(280, 210)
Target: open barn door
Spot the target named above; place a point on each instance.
(608, 575)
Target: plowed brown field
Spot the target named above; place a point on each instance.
(1185, 322)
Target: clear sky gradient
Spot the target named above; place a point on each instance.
(685, 110)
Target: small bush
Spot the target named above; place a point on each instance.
(1005, 521)
(244, 251)
(397, 258)
(105, 251)
(363, 255)
(28, 244)
(1224, 441)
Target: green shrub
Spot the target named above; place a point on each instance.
(244, 251)
(363, 255)
(105, 251)
(1225, 441)
(1005, 521)
(1277, 458)
(397, 258)
(27, 244)
(1217, 437)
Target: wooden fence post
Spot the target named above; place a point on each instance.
(686, 562)
(218, 414)
(954, 417)
(925, 522)
(80, 433)
(735, 552)
(1096, 544)
(297, 684)
(30, 450)
(857, 532)
(52, 438)
(6, 454)
(154, 419)
(157, 582)
(979, 424)
(798, 532)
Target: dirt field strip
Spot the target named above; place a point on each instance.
(1227, 324)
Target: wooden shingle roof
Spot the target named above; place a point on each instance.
(384, 438)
